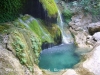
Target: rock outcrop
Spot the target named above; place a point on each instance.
(92, 62)
(94, 27)
(80, 20)
(78, 27)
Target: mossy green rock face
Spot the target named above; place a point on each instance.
(50, 11)
(56, 33)
(39, 28)
(50, 7)
(25, 45)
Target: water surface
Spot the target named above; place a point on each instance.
(58, 57)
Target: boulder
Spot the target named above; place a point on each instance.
(96, 36)
(80, 38)
(92, 62)
(94, 27)
(9, 64)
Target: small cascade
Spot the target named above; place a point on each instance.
(32, 24)
(66, 35)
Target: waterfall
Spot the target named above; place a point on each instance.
(66, 37)
(33, 24)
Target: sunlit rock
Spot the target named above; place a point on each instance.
(93, 60)
(70, 72)
(96, 36)
(9, 64)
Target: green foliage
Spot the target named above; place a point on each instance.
(92, 6)
(26, 45)
(36, 45)
(19, 48)
(67, 14)
(50, 7)
(10, 9)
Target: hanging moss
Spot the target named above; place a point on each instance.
(10, 9)
(50, 7)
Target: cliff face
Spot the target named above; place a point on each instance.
(43, 9)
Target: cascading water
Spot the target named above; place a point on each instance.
(28, 23)
(66, 35)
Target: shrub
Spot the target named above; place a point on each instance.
(67, 14)
(91, 6)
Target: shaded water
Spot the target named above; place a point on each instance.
(58, 57)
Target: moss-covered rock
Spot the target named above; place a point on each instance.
(4, 28)
(50, 7)
(56, 33)
(50, 11)
(38, 28)
(25, 45)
